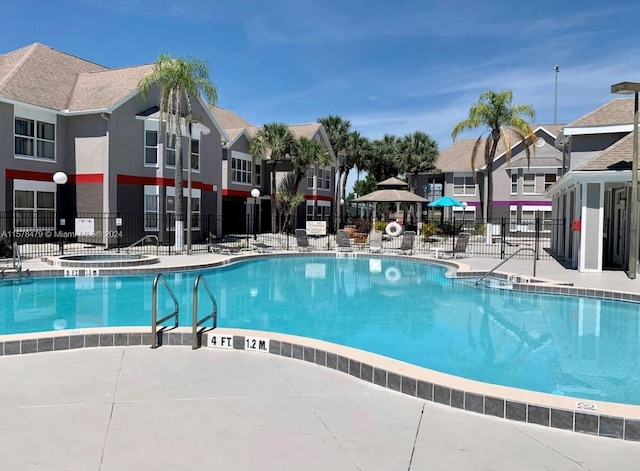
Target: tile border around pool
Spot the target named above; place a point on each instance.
(421, 383)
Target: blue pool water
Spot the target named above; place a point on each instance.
(580, 347)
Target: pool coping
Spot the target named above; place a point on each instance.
(600, 418)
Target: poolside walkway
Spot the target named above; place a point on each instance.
(114, 409)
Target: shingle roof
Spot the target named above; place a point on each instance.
(230, 120)
(99, 90)
(457, 157)
(614, 157)
(42, 76)
(617, 111)
(554, 129)
(233, 133)
(305, 130)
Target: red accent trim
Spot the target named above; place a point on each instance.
(318, 198)
(237, 193)
(12, 174)
(159, 181)
(86, 178)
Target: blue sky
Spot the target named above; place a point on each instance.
(389, 67)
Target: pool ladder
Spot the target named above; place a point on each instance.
(506, 260)
(196, 323)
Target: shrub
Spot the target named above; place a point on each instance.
(429, 229)
(451, 228)
(380, 225)
(362, 225)
(6, 251)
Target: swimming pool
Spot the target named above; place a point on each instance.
(407, 310)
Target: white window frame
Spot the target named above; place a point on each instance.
(546, 213)
(196, 197)
(35, 187)
(548, 184)
(195, 155)
(241, 168)
(148, 148)
(37, 117)
(169, 150)
(311, 178)
(527, 183)
(151, 191)
(466, 188)
(310, 214)
(514, 182)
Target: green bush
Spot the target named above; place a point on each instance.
(5, 248)
(380, 225)
(430, 229)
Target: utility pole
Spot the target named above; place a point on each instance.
(555, 101)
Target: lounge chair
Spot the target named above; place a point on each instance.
(343, 241)
(375, 241)
(263, 248)
(226, 249)
(460, 249)
(303, 240)
(406, 246)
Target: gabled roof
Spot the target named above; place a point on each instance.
(308, 130)
(614, 157)
(230, 120)
(457, 158)
(42, 76)
(100, 90)
(617, 111)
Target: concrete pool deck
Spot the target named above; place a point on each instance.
(171, 408)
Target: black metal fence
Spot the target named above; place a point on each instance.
(140, 233)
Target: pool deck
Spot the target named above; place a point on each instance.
(121, 408)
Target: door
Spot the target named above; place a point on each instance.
(619, 227)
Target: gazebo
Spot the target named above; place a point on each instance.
(392, 190)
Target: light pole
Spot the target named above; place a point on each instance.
(555, 99)
(255, 193)
(190, 119)
(60, 178)
(341, 155)
(627, 88)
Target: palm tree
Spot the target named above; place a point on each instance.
(418, 153)
(275, 142)
(495, 111)
(180, 81)
(356, 147)
(383, 162)
(337, 129)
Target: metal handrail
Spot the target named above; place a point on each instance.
(16, 255)
(150, 236)
(154, 309)
(213, 315)
(506, 260)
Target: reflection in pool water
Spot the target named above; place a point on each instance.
(584, 347)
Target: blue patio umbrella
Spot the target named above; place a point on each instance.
(445, 201)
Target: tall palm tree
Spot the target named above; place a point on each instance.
(418, 153)
(495, 112)
(275, 142)
(383, 162)
(180, 82)
(356, 147)
(337, 129)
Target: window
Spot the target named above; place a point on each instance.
(170, 208)
(195, 212)
(529, 184)
(240, 170)
(464, 186)
(195, 154)
(327, 179)
(310, 175)
(151, 208)
(309, 210)
(34, 209)
(258, 181)
(529, 219)
(35, 139)
(514, 183)
(170, 152)
(151, 148)
(170, 211)
(549, 179)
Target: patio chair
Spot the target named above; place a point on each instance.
(226, 249)
(263, 248)
(375, 242)
(343, 241)
(406, 246)
(460, 249)
(302, 239)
